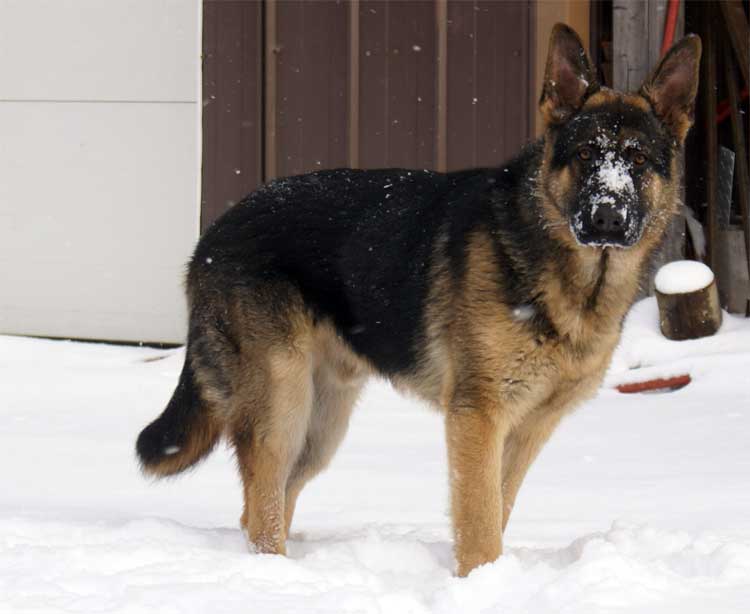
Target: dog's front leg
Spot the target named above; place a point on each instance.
(521, 448)
(475, 450)
(524, 442)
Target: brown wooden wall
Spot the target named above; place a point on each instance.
(293, 86)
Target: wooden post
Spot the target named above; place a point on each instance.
(690, 315)
(737, 27)
(738, 136)
(708, 89)
(688, 300)
(673, 247)
(630, 28)
(637, 32)
(638, 28)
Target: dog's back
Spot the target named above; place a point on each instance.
(359, 247)
(348, 241)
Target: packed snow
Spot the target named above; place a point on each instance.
(683, 276)
(639, 503)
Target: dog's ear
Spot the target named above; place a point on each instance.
(568, 79)
(672, 86)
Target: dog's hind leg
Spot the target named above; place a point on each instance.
(331, 410)
(271, 414)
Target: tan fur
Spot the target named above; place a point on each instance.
(525, 441)
(288, 415)
(503, 389)
(606, 96)
(338, 379)
(520, 385)
(502, 385)
(474, 437)
(269, 435)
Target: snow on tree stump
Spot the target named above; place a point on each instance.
(688, 300)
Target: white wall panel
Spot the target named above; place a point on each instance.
(98, 49)
(99, 166)
(98, 216)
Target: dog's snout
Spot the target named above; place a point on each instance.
(607, 219)
(605, 223)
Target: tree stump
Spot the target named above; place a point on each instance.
(688, 300)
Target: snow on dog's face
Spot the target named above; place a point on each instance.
(605, 161)
(612, 161)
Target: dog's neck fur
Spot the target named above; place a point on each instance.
(591, 290)
(587, 291)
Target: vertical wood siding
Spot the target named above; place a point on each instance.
(439, 84)
(489, 69)
(232, 104)
(311, 97)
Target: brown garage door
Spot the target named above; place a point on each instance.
(294, 86)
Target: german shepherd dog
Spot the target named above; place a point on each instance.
(497, 295)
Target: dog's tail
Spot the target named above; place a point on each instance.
(183, 434)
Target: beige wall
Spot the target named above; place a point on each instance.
(100, 146)
(575, 13)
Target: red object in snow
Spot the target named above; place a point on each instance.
(670, 383)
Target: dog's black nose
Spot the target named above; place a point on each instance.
(608, 220)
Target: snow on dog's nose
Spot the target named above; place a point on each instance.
(608, 201)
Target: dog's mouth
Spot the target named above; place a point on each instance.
(585, 240)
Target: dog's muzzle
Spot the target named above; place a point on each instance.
(606, 224)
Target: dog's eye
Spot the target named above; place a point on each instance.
(584, 153)
(639, 159)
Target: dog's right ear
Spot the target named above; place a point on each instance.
(569, 78)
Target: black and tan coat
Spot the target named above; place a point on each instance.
(497, 295)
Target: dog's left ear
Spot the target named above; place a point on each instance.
(569, 78)
(672, 87)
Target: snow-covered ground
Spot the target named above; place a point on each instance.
(640, 503)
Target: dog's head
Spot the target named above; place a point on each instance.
(611, 168)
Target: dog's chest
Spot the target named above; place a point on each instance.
(543, 369)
